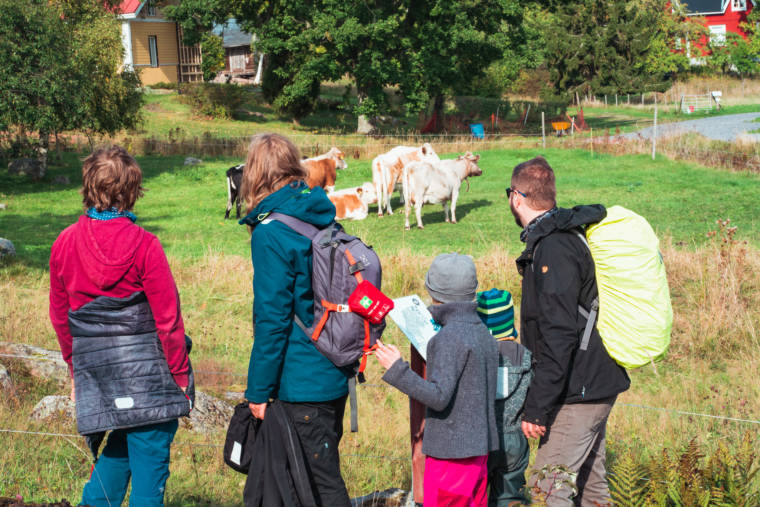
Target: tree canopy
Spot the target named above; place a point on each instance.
(426, 48)
(61, 70)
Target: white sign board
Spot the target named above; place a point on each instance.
(413, 318)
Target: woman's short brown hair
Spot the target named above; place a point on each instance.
(535, 179)
(273, 161)
(111, 178)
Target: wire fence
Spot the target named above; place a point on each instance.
(384, 386)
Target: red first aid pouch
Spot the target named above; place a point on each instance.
(367, 301)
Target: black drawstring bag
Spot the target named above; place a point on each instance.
(241, 435)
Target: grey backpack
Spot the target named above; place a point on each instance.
(339, 263)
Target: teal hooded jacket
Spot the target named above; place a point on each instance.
(284, 362)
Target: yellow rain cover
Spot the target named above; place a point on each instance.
(635, 314)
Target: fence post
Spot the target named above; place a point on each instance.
(543, 131)
(616, 100)
(642, 98)
(654, 131)
(605, 100)
(591, 135)
(629, 99)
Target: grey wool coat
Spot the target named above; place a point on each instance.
(460, 390)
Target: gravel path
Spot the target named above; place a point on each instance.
(720, 128)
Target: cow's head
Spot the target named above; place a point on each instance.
(471, 162)
(339, 157)
(428, 154)
(367, 193)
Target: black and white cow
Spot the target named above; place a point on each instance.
(234, 179)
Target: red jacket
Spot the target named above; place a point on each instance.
(115, 258)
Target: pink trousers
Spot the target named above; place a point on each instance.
(456, 482)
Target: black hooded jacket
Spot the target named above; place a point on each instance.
(558, 277)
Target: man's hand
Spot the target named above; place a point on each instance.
(258, 409)
(386, 354)
(533, 430)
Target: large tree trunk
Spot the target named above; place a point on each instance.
(438, 111)
(363, 125)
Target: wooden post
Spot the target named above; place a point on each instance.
(543, 131)
(572, 125)
(629, 99)
(577, 100)
(591, 135)
(642, 98)
(605, 100)
(654, 131)
(616, 100)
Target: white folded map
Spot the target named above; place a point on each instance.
(413, 318)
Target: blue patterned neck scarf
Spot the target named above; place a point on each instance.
(110, 213)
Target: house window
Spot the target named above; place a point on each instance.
(153, 49)
(718, 35)
(739, 5)
(150, 9)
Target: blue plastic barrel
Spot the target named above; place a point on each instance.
(477, 130)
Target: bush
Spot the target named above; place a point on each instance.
(217, 100)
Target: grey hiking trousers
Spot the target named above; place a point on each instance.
(576, 440)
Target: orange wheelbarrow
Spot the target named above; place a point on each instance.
(560, 127)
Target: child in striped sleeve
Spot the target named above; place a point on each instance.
(506, 467)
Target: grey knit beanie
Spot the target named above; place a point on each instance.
(452, 278)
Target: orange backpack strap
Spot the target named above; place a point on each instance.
(329, 307)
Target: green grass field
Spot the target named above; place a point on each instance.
(715, 290)
(185, 206)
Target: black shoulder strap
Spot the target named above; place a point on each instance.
(590, 314)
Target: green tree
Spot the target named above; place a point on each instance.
(671, 43)
(61, 70)
(427, 47)
(601, 46)
(212, 49)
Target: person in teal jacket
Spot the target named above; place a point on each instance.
(285, 365)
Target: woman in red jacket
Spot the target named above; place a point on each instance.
(116, 311)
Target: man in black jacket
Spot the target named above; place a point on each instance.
(573, 390)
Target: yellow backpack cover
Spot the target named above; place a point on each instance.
(635, 314)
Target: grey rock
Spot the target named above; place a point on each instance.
(209, 414)
(28, 166)
(5, 380)
(62, 180)
(6, 248)
(193, 161)
(52, 405)
(43, 363)
(234, 396)
(393, 497)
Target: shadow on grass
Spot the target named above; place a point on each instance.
(33, 236)
(438, 217)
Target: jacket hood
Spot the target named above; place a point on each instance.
(458, 311)
(296, 200)
(564, 219)
(106, 248)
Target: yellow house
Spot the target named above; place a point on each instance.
(153, 45)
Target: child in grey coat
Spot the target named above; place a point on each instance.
(460, 390)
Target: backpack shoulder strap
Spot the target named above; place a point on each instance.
(301, 227)
(590, 314)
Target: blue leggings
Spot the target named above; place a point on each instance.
(141, 453)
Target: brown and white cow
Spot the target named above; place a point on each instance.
(387, 169)
(436, 182)
(353, 202)
(323, 169)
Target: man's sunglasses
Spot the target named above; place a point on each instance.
(510, 190)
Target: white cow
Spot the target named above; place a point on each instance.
(353, 202)
(387, 169)
(436, 182)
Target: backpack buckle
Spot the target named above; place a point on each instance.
(342, 309)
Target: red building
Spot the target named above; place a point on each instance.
(720, 16)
